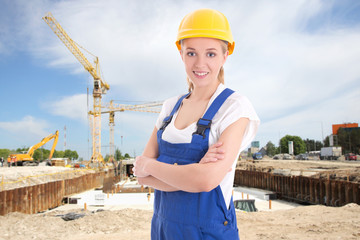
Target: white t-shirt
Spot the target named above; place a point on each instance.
(235, 107)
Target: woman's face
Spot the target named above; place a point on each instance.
(203, 58)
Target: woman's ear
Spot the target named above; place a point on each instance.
(225, 56)
(181, 55)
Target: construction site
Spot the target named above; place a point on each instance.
(33, 190)
(288, 194)
(97, 199)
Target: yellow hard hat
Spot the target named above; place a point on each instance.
(205, 23)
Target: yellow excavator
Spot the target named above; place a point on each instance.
(26, 159)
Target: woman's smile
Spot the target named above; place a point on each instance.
(200, 74)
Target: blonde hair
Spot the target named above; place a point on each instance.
(221, 77)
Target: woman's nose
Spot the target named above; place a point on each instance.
(200, 61)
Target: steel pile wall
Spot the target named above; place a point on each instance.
(302, 189)
(38, 198)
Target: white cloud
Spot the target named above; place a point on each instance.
(73, 107)
(290, 72)
(28, 127)
(312, 122)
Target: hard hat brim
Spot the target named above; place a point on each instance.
(231, 45)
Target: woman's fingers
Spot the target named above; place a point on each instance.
(216, 148)
(217, 144)
(138, 168)
(214, 153)
(213, 158)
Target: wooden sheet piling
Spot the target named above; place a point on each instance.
(38, 198)
(307, 190)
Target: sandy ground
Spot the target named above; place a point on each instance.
(129, 216)
(340, 169)
(306, 222)
(15, 177)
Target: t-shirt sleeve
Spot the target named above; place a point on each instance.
(240, 107)
(166, 109)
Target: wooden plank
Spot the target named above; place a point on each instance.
(356, 192)
(9, 201)
(34, 199)
(341, 192)
(334, 195)
(2, 202)
(30, 199)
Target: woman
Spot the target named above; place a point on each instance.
(193, 181)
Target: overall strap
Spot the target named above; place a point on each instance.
(204, 123)
(167, 119)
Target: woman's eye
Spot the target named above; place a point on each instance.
(191, 54)
(211, 54)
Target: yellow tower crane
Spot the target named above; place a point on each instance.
(112, 107)
(100, 86)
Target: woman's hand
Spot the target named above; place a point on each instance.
(214, 153)
(140, 164)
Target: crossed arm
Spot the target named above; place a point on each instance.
(198, 177)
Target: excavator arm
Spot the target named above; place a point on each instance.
(44, 141)
(54, 144)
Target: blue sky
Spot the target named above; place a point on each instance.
(297, 61)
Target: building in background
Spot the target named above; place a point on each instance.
(336, 127)
(333, 139)
(255, 147)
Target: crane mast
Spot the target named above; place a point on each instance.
(114, 107)
(100, 86)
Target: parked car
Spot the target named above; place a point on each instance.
(257, 156)
(277, 156)
(302, 156)
(284, 156)
(350, 156)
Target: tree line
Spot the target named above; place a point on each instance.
(348, 140)
(117, 157)
(41, 154)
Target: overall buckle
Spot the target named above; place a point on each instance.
(202, 126)
(166, 122)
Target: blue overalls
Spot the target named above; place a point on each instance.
(184, 215)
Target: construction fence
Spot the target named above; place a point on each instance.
(41, 197)
(301, 189)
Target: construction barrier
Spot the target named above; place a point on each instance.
(38, 198)
(301, 189)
